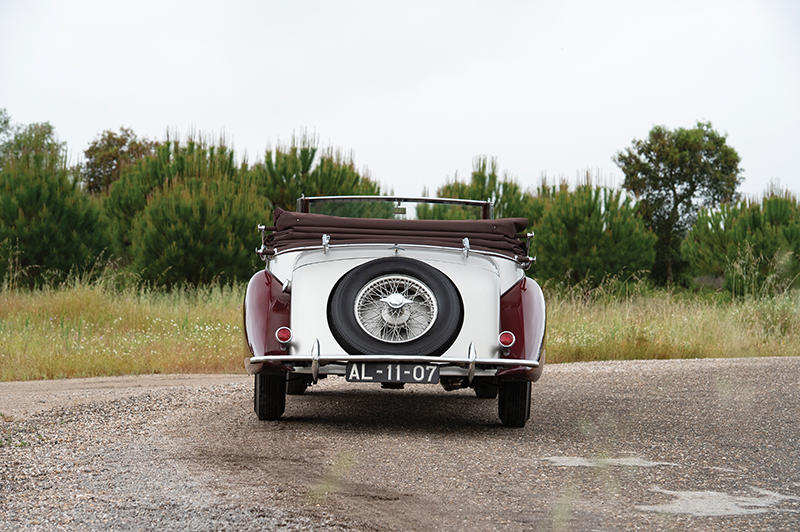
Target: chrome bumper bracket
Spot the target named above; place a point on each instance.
(472, 355)
(315, 360)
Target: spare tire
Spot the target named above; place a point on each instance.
(395, 306)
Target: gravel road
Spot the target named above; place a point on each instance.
(691, 444)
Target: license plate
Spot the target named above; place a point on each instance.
(385, 372)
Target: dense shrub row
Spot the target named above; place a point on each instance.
(591, 234)
(185, 212)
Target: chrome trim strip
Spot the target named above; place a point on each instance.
(521, 261)
(316, 358)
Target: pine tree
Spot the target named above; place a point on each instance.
(171, 161)
(197, 231)
(591, 234)
(48, 227)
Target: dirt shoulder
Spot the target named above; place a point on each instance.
(23, 398)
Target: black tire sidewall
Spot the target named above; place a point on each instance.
(514, 403)
(354, 340)
(269, 395)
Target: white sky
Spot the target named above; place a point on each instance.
(417, 89)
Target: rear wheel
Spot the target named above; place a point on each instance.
(269, 396)
(514, 403)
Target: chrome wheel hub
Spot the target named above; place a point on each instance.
(395, 308)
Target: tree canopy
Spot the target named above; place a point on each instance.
(48, 226)
(673, 173)
(109, 154)
(591, 234)
(287, 172)
(509, 198)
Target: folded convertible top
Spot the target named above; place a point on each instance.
(295, 229)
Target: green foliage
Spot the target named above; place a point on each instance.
(754, 246)
(290, 172)
(187, 213)
(198, 231)
(591, 234)
(706, 247)
(109, 154)
(355, 209)
(507, 195)
(48, 227)
(5, 131)
(28, 144)
(172, 160)
(673, 173)
(763, 257)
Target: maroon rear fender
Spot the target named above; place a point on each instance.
(523, 312)
(266, 308)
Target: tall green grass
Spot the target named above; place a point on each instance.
(108, 326)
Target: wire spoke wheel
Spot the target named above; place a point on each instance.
(395, 308)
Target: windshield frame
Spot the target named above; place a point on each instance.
(487, 207)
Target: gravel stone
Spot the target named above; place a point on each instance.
(673, 444)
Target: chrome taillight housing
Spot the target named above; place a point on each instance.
(506, 339)
(283, 335)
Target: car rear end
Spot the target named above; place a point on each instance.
(396, 311)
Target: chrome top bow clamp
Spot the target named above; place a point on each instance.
(263, 251)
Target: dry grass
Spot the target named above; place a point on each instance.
(87, 329)
(662, 324)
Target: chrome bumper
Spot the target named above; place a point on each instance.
(470, 362)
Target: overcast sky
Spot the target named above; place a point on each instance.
(416, 90)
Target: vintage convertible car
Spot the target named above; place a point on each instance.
(393, 299)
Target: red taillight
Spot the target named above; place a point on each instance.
(506, 339)
(283, 334)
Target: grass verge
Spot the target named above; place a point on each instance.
(84, 329)
(663, 324)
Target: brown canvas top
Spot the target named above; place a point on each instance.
(295, 229)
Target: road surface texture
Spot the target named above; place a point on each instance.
(677, 445)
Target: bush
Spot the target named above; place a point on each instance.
(289, 172)
(706, 246)
(592, 234)
(509, 199)
(48, 227)
(754, 246)
(197, 231)
(172, 160)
